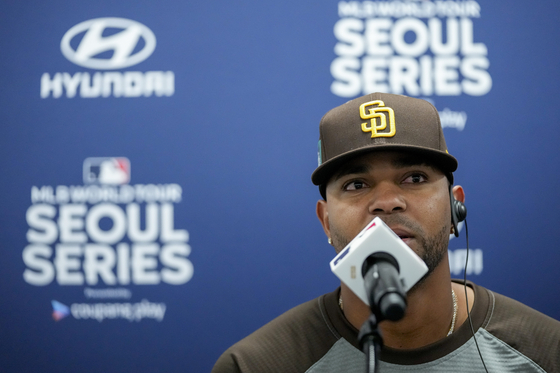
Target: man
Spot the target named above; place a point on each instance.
(384, 155)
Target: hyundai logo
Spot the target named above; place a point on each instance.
(112, 50)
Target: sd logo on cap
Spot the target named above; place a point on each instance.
(392, 122)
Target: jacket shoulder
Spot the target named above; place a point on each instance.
(525, 329)
(293, 341)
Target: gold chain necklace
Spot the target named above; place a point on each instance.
(341, 305)
(454, 313)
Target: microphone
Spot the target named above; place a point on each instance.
(388, 269)
(383, 287)
(379, 268)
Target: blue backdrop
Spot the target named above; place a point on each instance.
(156, 160)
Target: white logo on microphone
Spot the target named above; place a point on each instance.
(126, 45)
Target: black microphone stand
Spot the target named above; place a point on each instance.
(387, 300)
(371, 341)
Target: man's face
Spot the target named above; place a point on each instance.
(410, 196)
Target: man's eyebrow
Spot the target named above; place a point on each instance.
(359, 168)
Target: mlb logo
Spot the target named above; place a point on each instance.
(60, 310)
(107, 170)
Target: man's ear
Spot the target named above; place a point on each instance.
(459, 193)
(323, 215)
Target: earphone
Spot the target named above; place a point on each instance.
(458, 211)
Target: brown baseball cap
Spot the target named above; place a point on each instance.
(380, 122)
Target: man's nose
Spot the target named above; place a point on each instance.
(386, 198)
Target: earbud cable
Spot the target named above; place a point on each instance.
(467, 297)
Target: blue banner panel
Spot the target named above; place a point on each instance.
(156, 158)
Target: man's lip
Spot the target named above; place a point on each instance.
(403, 234)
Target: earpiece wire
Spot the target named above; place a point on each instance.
(467, 297)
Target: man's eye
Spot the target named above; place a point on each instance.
(354, 185)
(415, 179)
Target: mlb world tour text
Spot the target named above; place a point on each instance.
(415, 48)
(83, 236)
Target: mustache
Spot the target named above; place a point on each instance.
(340, 241)
(397, 219)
